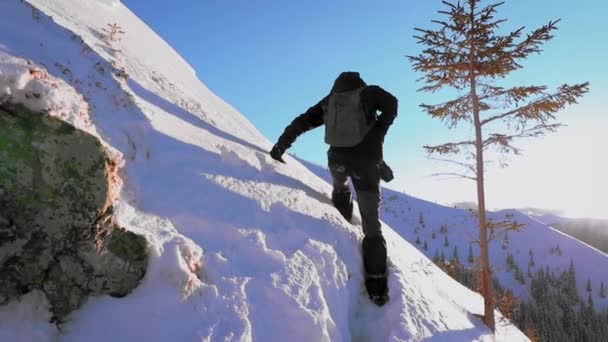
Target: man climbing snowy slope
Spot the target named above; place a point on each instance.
(355, 133)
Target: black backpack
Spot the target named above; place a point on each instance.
(346, 119)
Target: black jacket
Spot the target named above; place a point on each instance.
(373, 98)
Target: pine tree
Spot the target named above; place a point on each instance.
(421, 220)
(519, 276)
(568, 319)
(455, 256)
(506, 303)
(590, 306)
(426, 246)
(602, 290)
(466, 53)
(446, 243)
(436, 256)
(531, 334)
(433, 236)
(571, 269)
(505, 241)
(470, 258)
(531, 262)
(417, 240)
(588, 285)
(510, 262)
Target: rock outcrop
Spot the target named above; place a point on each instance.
(57, 232)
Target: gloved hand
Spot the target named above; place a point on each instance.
(386, 173)
(277, 152)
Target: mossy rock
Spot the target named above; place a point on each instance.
(54, 190)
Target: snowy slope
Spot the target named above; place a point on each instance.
(402, 213)
(242, 248)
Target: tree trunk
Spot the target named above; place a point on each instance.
(486, 278)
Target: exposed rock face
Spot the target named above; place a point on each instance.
(56, 229)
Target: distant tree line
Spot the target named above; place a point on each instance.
(555, 311)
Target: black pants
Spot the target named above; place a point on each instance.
(366, 181)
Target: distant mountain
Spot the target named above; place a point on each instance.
(541, 212)
(465, 205)
(591, 231)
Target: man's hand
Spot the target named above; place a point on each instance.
(277, 152)
(386, 173)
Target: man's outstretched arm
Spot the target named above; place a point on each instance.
(313, 118)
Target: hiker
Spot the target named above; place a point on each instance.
(355, 132)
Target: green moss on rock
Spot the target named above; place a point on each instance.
(54, 187)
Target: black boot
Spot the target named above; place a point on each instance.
(377, 288)
(374, 261)
(343, 201)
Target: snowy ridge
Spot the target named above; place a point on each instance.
(242, 248)
(402, 213)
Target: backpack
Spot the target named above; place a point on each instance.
(346, 119)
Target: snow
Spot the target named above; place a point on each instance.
(402, 213)
(27, 319)
(242, 248)
(30, 85)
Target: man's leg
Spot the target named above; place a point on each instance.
(341, 196)
(367, 185)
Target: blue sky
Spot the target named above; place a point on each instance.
(274, 59)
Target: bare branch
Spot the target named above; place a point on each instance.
(503, 141)
(472, 238)
(455, 175)
(500, 228)
(470, 167)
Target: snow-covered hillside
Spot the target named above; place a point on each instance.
(242, 248)
(549, 246)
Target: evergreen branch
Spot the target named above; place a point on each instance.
(515, 94)
(485, 15)
(543, 108)
(534, 40)
(494, 56)
(440, 70)
(506, 98)
(448, 148)
(451, 111)
(428, 65)
(437, 38)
